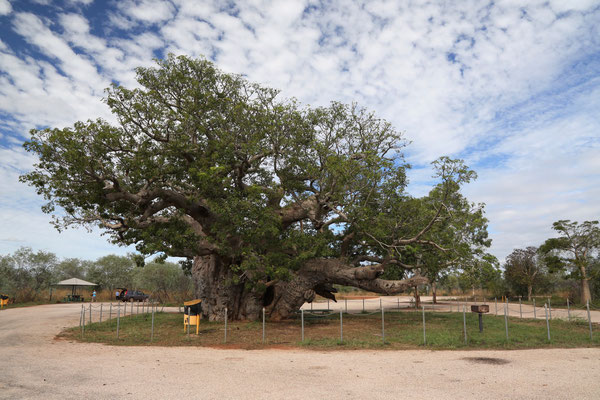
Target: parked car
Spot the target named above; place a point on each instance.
(133, 295)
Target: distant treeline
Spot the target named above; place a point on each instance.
(27, 276)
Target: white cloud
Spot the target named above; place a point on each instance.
(24, 225)
(5, 7)
(147, 11)
(466, 79)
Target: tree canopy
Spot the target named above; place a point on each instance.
(574, 250)
(276, 200)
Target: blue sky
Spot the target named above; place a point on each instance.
(512, 89)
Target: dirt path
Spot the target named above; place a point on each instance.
(36, 366)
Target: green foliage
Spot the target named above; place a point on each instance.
(111, 272)
(163, 280)
(27, 276)
(524, 271)
(575, 251)
(25, 273)
(204, 162)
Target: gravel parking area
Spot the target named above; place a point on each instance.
(35, 365)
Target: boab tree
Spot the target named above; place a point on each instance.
(574, 249)
(272, 203)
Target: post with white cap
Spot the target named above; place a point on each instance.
(424, 333)
(465, 322)
(496, 302)
(589, 320)
(547, 322)
(225, 339)
(341, 328)
(152, 332)
(506, 319)
(383, 324)
(302, 318)
(520, 309)
(263, 312)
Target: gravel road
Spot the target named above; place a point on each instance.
(34, 365)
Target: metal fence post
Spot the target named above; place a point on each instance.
(506, 307)
(100, 312)
(424, 334)
(506, 319)
(225, 340)
(568, 309)
(520, 309)
(90, 323)
(380, 305)
(496, 302)
(341, 328)
(188, 321)
(263, 310)
(118, 318)
(382, 323)
(547, 322)
(549, 308)
(80, 315)
(589, 320)
(302, 319)
(82, 320)
(152, 332)
(465, 322)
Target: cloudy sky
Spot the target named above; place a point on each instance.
(512, 89)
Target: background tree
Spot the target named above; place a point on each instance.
(273, 203)
(163, 280)
(112, 271)
(71, 268)
(523, 269)
(25, 273)
(575, 250)
(480, 273)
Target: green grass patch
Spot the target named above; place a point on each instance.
(403, 330)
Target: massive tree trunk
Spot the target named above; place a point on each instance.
(529, 292)
(214, 278)
(434, 292)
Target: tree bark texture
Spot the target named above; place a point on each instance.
(214, 278)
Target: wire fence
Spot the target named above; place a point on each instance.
(90, 313)
(501, 309)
